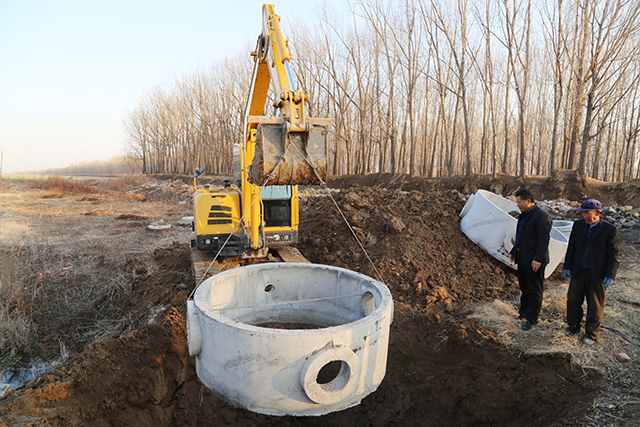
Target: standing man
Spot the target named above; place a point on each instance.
(531, 253)
(592, 263)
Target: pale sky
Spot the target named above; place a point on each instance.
(70, 70)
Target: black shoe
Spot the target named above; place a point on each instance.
(527, 326)
(588, 341)
(569, 332)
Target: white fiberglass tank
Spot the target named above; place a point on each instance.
(490, 221)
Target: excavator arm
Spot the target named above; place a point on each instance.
(278, 152)
(274, 55)
(289, 148)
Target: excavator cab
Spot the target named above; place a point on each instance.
(280, 204)
(216, 214)
(218, 218)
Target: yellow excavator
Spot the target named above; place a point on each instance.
(259, 210)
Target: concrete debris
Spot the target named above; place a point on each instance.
(186, 221)
(159, 225)
(623, 217)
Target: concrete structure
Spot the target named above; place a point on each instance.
(565, 228)
(273, 369)
(490, 220)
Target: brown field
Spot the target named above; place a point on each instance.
(85, 284)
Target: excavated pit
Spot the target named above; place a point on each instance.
(443, 368)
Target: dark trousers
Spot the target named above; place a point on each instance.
(583, 286)
(532, 287)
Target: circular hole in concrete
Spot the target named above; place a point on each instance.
(334, 375)
(269, 288)
(368, 303)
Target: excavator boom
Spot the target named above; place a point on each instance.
(279, 151)
(290, 148)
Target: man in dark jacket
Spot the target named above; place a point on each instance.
(531, 253)
(592, 263)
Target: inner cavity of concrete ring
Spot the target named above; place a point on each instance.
(289, 338)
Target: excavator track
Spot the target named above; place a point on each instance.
(291, 254)
(203, 266)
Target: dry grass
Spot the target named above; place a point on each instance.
(58, 187)
(64, 289)
(12, 232)
(17, 336)
(64, 186)
(547, 337)
(64, 262)
(125, 183)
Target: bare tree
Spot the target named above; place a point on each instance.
(613, 23)
(430, 87)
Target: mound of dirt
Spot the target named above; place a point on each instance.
(561, 184)
(414, 241)
(439, 358)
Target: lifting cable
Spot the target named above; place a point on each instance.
(324, 186)
(326, 189)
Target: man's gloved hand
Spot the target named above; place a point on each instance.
(607, 281)
(566, 273)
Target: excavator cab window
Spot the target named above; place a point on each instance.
(276, 200)
(277, 213)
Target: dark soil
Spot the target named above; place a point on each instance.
(444, 369)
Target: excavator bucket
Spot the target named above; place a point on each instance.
(283, 158)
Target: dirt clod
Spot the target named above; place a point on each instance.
(623, 357)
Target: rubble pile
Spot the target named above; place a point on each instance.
(623, 217)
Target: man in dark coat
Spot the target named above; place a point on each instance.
(592, 263)
(531, 253)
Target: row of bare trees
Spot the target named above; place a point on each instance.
(432, 88)
(191, 124)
